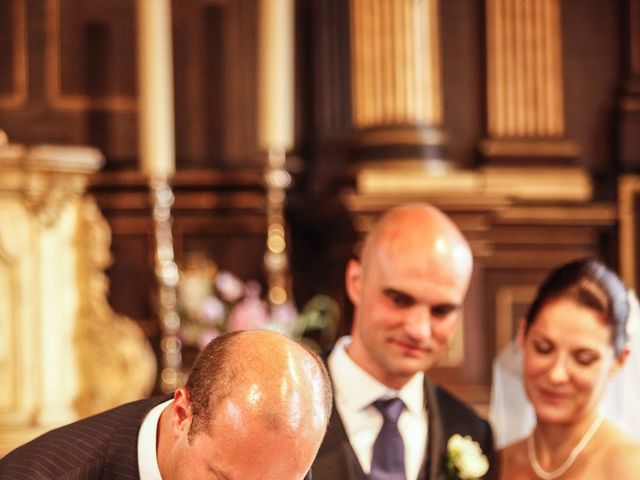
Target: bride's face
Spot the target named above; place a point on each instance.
(568, 360)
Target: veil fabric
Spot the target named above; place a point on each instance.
(512, 415)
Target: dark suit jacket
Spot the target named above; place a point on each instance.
(447, 416)
(103, 446)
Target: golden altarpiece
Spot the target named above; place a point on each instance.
(64, 353)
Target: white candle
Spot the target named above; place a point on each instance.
(275, 73)
(155, 89)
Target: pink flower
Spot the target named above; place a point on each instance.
(283, 317)
(229, 286)
(193, 288)
(211, 310)
(207, 336)
(252, 289)
(250, 314)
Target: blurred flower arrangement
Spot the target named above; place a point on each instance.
(212, 302)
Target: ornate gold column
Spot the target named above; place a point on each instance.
(525, 99)
(63, 352)
(396, 85)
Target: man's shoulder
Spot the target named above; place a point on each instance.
(104, 424)
(84, 444)
(455, 414)
(450, 402)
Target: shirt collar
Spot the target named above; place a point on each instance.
(357, 390)
(147, 451)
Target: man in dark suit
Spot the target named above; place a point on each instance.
(256, 405)
(390, 421)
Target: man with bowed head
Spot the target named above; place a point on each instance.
(256, 406)
(391, 422)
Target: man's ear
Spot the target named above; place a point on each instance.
(353, 281)
(181, 411)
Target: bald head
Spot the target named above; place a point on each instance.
(256, 405)
(407, 291)
(265, 376)
(420, 232)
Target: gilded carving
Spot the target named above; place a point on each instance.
(116, 363)
(63, 352)
(46, 195)
(8, 306)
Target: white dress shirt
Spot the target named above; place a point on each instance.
(355, 391)
(147, 456)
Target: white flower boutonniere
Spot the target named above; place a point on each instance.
(465, 460)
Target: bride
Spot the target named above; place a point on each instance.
(574, 340)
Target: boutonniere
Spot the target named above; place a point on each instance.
(465, 460)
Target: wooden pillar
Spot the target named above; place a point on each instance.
(396, 80)
(525, 97)
(629, 101)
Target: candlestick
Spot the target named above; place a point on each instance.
(166, 270)
(275, 259)
(155, 88)
(275, 93)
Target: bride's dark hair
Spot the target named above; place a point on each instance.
(592, 284)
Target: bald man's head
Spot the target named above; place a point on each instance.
(256, 405)
(266, 374)
(407, 290)
(419, 231)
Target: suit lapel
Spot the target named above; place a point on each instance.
(336, 454)
(436, 440)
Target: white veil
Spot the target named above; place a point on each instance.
(512, 415)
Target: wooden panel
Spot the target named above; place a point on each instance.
(591, 64)
(90, 59)
(132, 254)
(628, 121)
(629, 211)
(13, 60)
(215, 83)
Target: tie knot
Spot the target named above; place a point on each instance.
(390, 409)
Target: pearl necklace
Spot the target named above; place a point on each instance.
(541, 472)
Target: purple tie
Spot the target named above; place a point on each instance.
(388, 450)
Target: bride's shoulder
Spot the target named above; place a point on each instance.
(514, 453)
(517, 446)
(624, 449)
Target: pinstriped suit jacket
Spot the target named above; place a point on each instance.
(104, 446)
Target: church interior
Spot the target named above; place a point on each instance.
(148, 144)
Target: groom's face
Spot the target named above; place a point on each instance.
(406, 307)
